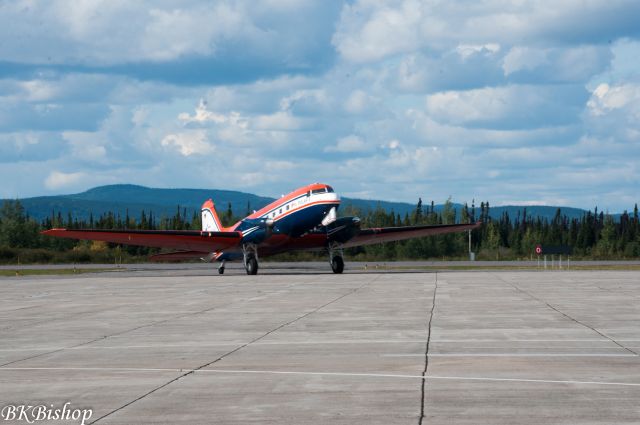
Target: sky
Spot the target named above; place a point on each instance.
(511, 102)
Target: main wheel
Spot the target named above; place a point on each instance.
(337, 264)
(252, 265)
(220, 270)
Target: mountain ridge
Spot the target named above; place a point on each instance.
(133, 199)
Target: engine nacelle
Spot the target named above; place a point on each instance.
(343, 229)
(257, 230)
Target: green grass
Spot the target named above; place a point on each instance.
(37, 272)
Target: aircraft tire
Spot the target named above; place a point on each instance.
(337, 264)
(220, 270)
(252, 266)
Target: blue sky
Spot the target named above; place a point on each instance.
(507, 101)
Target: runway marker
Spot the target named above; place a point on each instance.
(329, 342)
(532, 340)
(329, 374)
(221, 344)
(514, 355)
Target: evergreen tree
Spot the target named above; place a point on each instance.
(606, 244)
(417, 217)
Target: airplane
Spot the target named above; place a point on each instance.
(305, 219)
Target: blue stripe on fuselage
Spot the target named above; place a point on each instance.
(297, 222)
(303, 220)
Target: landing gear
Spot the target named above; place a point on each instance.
(221, 268)
(251, 265)
(337, 264)
(335, 259)
(250, 253)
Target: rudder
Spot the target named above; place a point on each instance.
(210, 220)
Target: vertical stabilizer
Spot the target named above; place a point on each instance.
(210, 220)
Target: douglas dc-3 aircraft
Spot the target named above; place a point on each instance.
(305, 219)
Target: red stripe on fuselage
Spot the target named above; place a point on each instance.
(287, 198)
(304, 206)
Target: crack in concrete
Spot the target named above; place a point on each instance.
(567, 316)
(194, 370)
(426, 353)
(158, 322)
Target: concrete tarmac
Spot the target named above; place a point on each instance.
(298, 346)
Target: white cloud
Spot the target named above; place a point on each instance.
(359, 102)
(412, 74)
(467, 50)
(613, 113)
(470, 106)
(203, 115)
(385, 31)
(85, 148)
(606, 99)
(524, 58)
(414, 98)
(59, 180)
(30, 146)
(510, 106)
(105, 33)
(171, 34)
(189, 143)
(578, 63)
(373, 30)
(278, 121)
(306, 101)
(349, 144)
(38, 90)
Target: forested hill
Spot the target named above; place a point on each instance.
(123, 198)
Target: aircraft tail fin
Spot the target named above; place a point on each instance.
(210, 220)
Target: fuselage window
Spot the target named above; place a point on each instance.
(287, 207)
(280, 211)
(314, 191)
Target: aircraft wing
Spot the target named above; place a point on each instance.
(185, 240)
(389, 234)
(178, 256)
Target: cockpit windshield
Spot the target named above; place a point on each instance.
(329, 189)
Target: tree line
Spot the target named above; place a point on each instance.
(594, 235)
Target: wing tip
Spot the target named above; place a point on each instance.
(53, 231)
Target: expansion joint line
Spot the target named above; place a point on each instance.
(567, 316)
(101, 338)
(426, 353)
(145, 325)
(194, 370)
